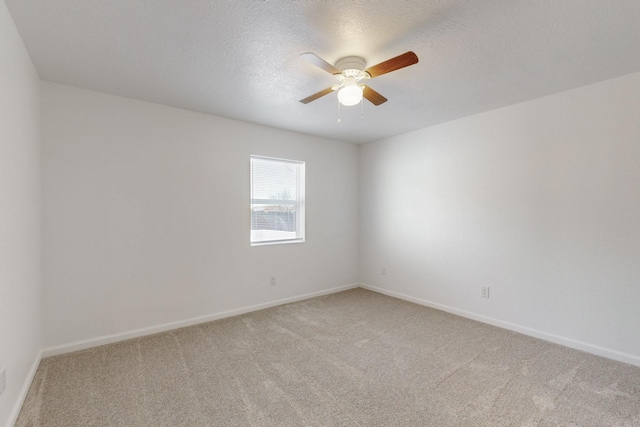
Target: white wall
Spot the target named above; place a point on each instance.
(19, 216)
(146, 216)
(540, 201)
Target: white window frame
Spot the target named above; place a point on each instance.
(299, 203)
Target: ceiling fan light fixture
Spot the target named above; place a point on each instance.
(351, 93)
(350, 71)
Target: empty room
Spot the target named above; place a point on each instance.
(319, 213)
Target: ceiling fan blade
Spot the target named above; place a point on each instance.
(319, 62)
(317, 95)
(393, 64)
(372, 96)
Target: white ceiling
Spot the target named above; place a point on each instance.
(240, 58)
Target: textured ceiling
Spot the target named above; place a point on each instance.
(240, 58)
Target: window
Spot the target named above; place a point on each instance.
(277, 201)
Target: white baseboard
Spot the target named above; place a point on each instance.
(567, 342)
(109, 339)
(13, 416)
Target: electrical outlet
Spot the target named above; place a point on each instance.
(485, 292)
(3, 380)
(272, 281)
(383, 271)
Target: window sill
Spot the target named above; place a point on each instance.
(276, 242)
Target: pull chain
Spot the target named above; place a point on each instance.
(339, 121)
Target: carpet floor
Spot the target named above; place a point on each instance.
(355, 358)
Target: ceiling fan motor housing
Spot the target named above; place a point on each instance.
(352, 68)
(351, 63)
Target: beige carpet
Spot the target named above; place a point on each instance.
(355, 358)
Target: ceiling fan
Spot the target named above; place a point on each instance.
(350, 72)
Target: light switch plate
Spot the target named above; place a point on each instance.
(3, 380)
